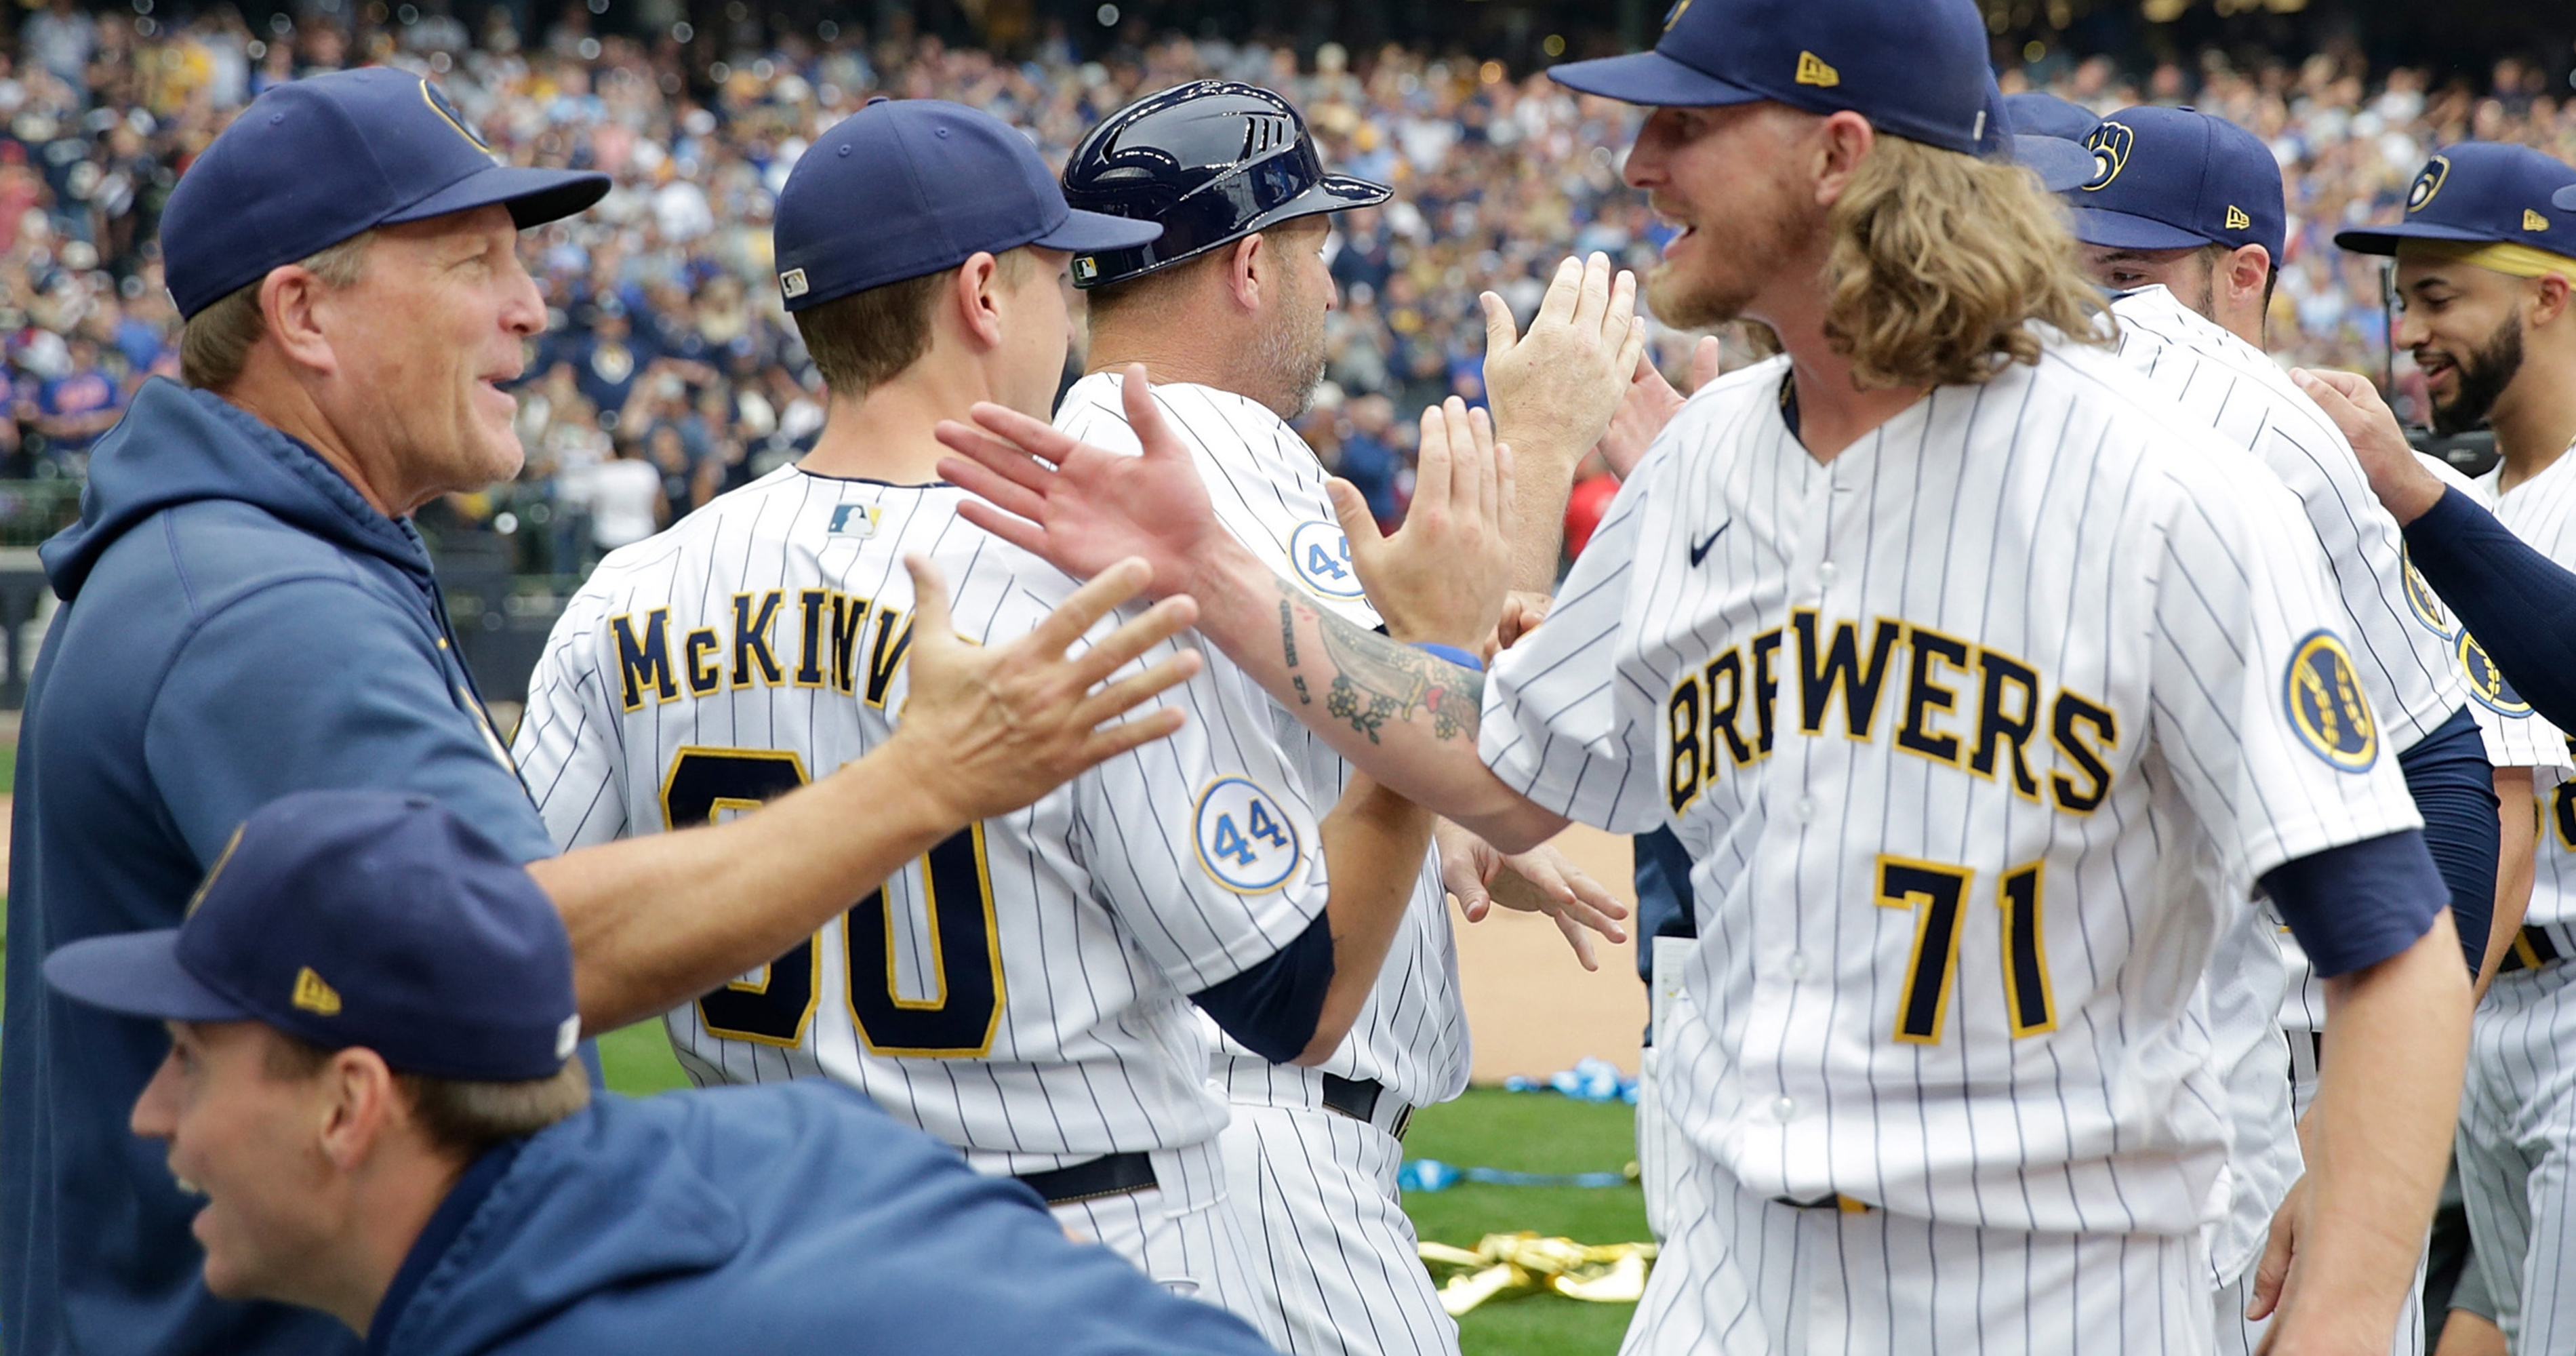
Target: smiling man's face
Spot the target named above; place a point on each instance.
(247, 1141)
(1731, 179)
(2465, 327)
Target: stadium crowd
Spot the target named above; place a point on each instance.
(669, 374)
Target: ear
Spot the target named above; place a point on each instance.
(1248, 271)
(290, 306)
(357, 1102)
(1842, 141)
(979, 308)
(2249, 267)
(2550, 299)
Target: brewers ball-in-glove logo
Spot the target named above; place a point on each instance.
(1243, 838)
(2110, 145)
(2323, 698)
(2486, 681)
(2423, 601)
(2428, 183)
(438, 103)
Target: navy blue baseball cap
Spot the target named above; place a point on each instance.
(2178, 178)
(314, 162)
(2040, 113)
(907, 187)
(357, 918)
(2059, 162)
(2481, 193)
(1914, 68)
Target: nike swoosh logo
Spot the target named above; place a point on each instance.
(1700, 550)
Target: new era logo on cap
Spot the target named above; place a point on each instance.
(2236, 218)
(2533, 221)
(314, 996)
(1813, 71)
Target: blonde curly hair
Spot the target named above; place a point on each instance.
(1939, 259)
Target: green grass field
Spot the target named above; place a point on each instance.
(1528, 1132)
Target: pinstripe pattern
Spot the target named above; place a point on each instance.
(2518, 1111)
(1180, 1236)
(1313, 1193)
(2240, 1336)
(2406, 667)
(1104, 914)
(1744, 1276)
(2057, 518)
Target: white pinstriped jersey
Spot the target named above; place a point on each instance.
(1020, 991)
(1977, 734)
(1268, 490)
(2406, 669)
(2542, 511)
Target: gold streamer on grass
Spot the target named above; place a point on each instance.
(1524, 1263)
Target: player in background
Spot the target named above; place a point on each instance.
(2183, 219)
(2485, 278)
(1024, 992)
(1226, 309)
(1979, 700)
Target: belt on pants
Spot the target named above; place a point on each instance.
(1094, 1179)
(1836, 1201)
(1364, 1099)
(2535, 946)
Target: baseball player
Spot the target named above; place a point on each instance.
(1981, 688)
(1024, 990)
(1227, 309)
(2183, 218)
(2486, 285)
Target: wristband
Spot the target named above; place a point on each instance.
(1462, 658)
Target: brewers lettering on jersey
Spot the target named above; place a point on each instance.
(1978, 734)
(1021, 990)
(1323, 1220)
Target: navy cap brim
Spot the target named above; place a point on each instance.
(2106, 229)
(2060, 164)
(138, 974)
(1086, 232)
(534, 196)
(1650, 79)
(2385, 239)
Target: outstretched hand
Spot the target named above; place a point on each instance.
(1441, 577)
(1555, 388)
(1650, 404)
(1541, 880)
(2403, 486)
(1080, 507)
(1003, 725)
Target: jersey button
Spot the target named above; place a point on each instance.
(1783, 1109)
(1805, 809)
(1825, 573)
(1797, 965)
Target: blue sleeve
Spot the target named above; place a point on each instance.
(2520, 604)
(1273, 1007)
(2356, 905)
(1663, 895)
(313, 684)
(2454, 789)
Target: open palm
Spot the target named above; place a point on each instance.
(1084, 508)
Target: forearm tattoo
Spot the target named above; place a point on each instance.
(1375, 679)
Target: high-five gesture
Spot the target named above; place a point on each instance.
(1081, 507)
(1554, 388)
(1650, 404)
(1440, 577)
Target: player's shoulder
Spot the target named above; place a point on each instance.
(1721, 407)
(2140, 438)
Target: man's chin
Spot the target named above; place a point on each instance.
(1688, 303)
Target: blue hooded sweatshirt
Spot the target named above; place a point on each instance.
(786, 1219)
(237, 624)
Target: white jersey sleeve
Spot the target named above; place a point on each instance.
(569, 749)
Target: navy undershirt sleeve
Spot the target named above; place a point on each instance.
(1273, 1007)
(2520, 604)
(2353, 906)
(2454, 789)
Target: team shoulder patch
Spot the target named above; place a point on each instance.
(2422, 600)
(2322, 697)
(1320, 555)
(2487, 682)
(1244, 840)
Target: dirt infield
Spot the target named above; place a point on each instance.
(1532, 1008)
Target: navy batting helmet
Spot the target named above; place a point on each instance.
(1212, 162)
